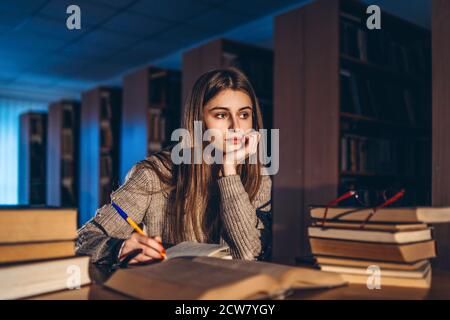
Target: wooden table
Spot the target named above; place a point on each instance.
(440, 289)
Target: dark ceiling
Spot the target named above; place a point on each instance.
(40, 59)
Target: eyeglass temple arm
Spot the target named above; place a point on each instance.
(397, 196)
(336, 201)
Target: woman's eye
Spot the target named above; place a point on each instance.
(220, 115)
(244, 115)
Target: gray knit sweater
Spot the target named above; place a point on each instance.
(245, 223)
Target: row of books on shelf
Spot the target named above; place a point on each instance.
(369, 155)
(394, 248)
(68, 190)
(106, 162)
(164, 89)
(68, 194)
(106, 137)
(37, 160)
(68, 117)
(158, 88)
(35, 183)
(67, 168)
(37, 126)
(67, 149)
(382, 48)
(257, 70)
(106, 131)
(36, 138)
(157, 125)
(106, 166)
(37, 191)
(417, 192)
(377, 99)
(38, 129)
(105, 190)
(105, 106)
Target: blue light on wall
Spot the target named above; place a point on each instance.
(10, 111)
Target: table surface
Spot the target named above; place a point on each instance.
(440, 289)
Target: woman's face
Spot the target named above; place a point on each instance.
(229, 112)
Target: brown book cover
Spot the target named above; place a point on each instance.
(372, 226)
(423, 283)
(29, 279)
(377, 236)
(19, 252)
(324, 260)
(374, 251)
(27, 225)
(390, 215)
(418, 273)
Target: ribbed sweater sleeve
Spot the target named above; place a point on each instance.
(103, 235)
(243, 227)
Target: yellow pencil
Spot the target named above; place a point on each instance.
(133, 224)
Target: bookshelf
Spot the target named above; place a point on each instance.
(151, 111)
(32, 158)
(99, 152)
(63, 153)
(385, 105)
(255, 62)
(363, 112)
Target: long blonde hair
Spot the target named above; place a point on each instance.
(194, 199)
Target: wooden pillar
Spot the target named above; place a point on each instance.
(306, 111)
(198, 61)
(441, 122)
(134, 120)
(98, 178)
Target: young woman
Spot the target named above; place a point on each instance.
(226, 202)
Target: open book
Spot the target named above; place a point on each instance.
(195, 249)
(218, 279)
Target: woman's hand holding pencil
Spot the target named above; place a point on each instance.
(151, 247)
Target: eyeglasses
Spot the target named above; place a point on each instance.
(367, 198)
(376, 199)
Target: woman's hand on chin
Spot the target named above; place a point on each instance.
(248, 146)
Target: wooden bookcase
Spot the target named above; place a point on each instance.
(63, 153)
(362, 115)
(32, 158)
(100, 147)
(255, 62)
(385, 106)
(151, 111)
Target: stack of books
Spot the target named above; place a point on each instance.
(37, 252)
(397, 243)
